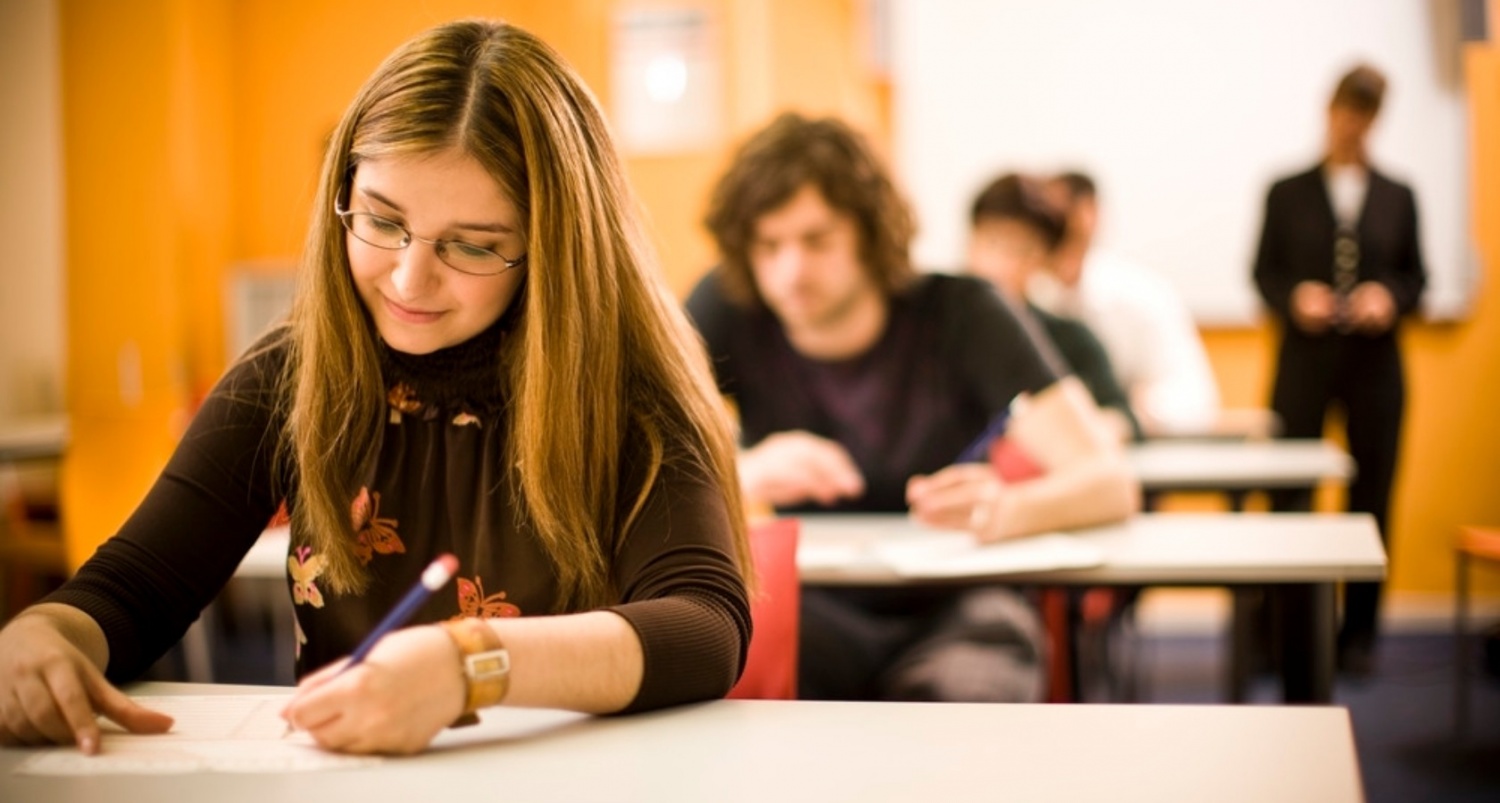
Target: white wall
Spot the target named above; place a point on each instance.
(31, 213)
(1184, 111)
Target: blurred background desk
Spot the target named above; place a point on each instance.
(33, 438)
(760, 750)
(1301, 555)
(1238, 468)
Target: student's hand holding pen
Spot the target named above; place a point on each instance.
(394, 702)
(963, 496)
(51, 687)
(791, 468)
(395, 691)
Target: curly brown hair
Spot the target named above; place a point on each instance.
(789, 154)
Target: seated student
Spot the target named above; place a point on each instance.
(1152, 341)
(859, 382)
(1015, 228)
(480, 361)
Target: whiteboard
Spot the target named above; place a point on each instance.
(1184, 111)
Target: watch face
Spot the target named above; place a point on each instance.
(487, 665)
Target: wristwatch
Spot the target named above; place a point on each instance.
(486, 665)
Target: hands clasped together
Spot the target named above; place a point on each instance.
(1368, 308)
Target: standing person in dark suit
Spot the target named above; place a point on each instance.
(1339, 264)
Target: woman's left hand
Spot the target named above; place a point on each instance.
(407, 690)
(957, 497)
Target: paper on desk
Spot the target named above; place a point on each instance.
(211, 733)
(836, 555)
(958, 555)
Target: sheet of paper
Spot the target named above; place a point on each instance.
(243, 733)
(840, 555)
(211, 733)
(958, 555)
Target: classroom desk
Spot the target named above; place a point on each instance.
(1231, 423)
(1300, 554)
(1237, 468)
(760, 750)
(33, 438)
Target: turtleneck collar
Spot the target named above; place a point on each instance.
(461, 378)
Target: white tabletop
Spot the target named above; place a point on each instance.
(1150, 549)
(33, 437)
(1238, 465)
(794, 751)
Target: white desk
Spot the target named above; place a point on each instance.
(1238, 466)
(1301, 555)
(1237, 469)
(33, 438)
(1231, 423)
(1150, 549)
(759, 751)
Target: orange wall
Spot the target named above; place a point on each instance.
(145, 231)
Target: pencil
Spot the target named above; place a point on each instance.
(435, 576)
(976, 451)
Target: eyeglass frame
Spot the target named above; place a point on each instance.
(439, 245)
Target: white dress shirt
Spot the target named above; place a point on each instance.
(1152, 342)
(1347, 185)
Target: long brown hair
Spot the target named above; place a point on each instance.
(600, 353)
(789, 154)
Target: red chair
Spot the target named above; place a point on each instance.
(771, 666)
(1066, 621)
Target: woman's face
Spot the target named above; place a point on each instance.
(418, 302)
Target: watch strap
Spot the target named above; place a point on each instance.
(486, 664)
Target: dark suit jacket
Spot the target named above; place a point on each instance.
(1297, 243)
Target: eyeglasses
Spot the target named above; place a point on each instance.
(372, 229)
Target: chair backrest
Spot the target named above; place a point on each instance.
(775, 608)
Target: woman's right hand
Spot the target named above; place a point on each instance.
(50, 691)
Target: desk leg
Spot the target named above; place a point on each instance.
(1307, 629)
(1241, 627)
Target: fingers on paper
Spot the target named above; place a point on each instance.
(127, 713)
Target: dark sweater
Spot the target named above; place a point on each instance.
(953, 355)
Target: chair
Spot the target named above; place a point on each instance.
(1474, 543)
(775, 605)
(32, 552)
(1078, 623)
